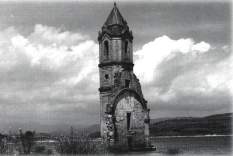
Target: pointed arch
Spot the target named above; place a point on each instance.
(132, 92)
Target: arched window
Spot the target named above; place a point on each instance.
(126, 47)
(106, 49)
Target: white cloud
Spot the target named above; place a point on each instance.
(222, 76)
(185, 75)
(49, 35)
(48, 47)
(201, 47)
(154, 52)
(45, 69)
(18, 41)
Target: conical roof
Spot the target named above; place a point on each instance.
(115, 25)
(115, 18)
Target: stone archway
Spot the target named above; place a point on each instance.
(129, 113)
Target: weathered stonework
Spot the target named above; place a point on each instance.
(124, 116)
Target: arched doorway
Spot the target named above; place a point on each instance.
(129, 113)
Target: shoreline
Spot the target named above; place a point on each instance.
(189, 136)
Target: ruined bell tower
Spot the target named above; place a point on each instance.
(124, 116)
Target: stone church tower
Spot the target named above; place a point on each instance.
(124, 116)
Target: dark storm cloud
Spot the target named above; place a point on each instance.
(203, 21)
(197, 101)
(192, 104)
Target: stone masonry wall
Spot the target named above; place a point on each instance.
(129, 104)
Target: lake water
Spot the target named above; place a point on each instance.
(191, 146)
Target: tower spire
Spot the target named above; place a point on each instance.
(115, 17)
(115, 25)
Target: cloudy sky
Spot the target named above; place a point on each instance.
(49, 58)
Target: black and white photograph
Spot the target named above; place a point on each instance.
(116, 77)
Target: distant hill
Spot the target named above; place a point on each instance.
(152, 121)
(219, 124)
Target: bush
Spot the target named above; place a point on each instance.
(78, 144)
